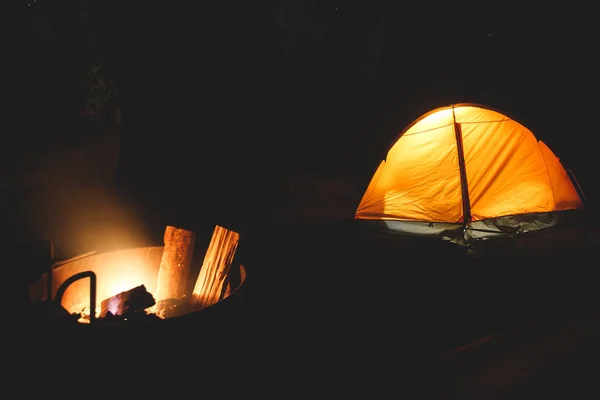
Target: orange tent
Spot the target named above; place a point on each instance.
(467, 171)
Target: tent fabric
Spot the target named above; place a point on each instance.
(507, 171)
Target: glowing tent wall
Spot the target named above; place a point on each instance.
(418, 188)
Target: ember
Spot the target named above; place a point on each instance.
(145, 283)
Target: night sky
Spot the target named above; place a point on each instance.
(311, 85)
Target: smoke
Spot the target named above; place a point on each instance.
(67, 195)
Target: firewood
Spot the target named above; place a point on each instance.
(175, 263)
(128, 302)
(213, 277)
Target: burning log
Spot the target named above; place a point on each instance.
(175, 263)
(128, 302)
(212, 280)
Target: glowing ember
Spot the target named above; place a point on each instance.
(85, 314)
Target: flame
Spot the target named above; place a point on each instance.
(113, 305)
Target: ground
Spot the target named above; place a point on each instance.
(328, 296)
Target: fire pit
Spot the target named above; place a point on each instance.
(142, 284)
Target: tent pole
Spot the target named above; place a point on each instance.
(578, 188)
(464, 187)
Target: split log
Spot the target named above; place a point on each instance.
(212, 280)
(128, 302)
(175, 263)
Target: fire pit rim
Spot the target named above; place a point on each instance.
(37, 296)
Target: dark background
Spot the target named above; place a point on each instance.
(228, 93)
(218, 97)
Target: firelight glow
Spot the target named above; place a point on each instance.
(116, 272)
(120, 271)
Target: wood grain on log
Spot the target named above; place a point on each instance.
(175, 264)
(213, 277)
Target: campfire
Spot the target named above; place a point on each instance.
(155, 282)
